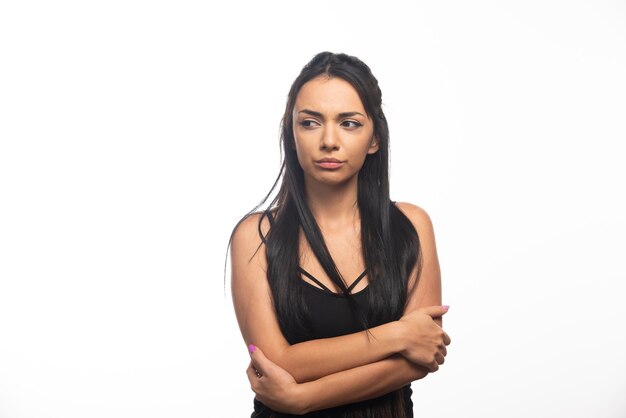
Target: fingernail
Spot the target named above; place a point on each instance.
(445, 307)
(251, 348)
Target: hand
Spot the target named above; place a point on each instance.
(425, 340)
(273, 385)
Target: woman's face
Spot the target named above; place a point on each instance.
(332, 132)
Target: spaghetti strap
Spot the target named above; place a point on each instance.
(358, 279)
(310, 276)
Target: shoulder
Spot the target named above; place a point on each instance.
(246, 237)
(248, 231)
(248, 227)
(418, 217)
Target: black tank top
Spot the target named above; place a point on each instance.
(331, 316)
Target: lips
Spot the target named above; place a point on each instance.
(329, 163)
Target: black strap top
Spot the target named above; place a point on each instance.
(325, 288)
(331, 315)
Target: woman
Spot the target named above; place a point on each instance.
(336, 288)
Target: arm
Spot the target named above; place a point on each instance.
(374, 379)
(381, 377)
(278, 390)
(308, 360)
(428, 289)
(361, 383)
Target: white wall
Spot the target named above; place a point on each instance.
(135, 134)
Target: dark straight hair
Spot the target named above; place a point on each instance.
(389, 242)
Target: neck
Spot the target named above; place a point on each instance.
(334, 206)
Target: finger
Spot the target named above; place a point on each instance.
(444, 351)
(252, 375)
(255, 368)
(262, 364)
(434, 366)
(440, 358)
(446, 339)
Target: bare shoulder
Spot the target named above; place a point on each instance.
(418, 217)
(246, 235)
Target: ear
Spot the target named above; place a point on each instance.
(373, 145)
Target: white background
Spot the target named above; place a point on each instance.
(135, 134)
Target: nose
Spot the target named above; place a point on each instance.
(329, 139)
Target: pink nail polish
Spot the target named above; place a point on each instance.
(445, 307)
(251, 348)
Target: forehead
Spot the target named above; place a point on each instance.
(328, 95)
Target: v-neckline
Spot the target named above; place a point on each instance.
(324, 288)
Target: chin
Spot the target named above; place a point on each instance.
(333, 179)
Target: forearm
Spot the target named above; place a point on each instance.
(314, 359)
(360, 383)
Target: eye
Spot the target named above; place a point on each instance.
(351, 124)
(307, 123)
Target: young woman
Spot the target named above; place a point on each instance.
(336, 288)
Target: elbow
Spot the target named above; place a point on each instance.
(295, 368)
(417, 373)
(301, 376)
(412, 372)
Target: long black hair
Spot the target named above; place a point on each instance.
(389, 242)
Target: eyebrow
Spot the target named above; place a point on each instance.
(341, 115)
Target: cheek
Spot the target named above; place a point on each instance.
(359, 154)
(361, 151)
(306, 143)
(361, 160)
(301, 151)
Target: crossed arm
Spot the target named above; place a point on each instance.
(338, 370)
